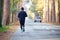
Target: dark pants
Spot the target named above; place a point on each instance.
(22, 25)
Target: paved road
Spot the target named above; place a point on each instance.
(37, 31)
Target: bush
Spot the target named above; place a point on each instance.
(4, 28)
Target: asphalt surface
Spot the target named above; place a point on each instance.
(37, 31)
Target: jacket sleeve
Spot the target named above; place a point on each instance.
(25, 14)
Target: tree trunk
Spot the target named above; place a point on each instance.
(6, 12)
(53, 11)
(59, 9)
(1, 11)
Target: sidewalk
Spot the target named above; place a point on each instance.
(7, 34)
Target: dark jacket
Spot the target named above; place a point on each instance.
(22, 15)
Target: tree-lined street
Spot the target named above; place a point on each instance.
(48, 11)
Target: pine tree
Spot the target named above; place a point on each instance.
(1, 12)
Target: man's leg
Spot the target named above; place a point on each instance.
(23, 25)
(23, 28)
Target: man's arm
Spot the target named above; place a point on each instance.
(25, 14)
(19, 15)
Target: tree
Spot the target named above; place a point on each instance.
(14, 9)
(53, 11)
(1, 12)
(33, 7)
(37, 7)
(6, 11)
(59, 9)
